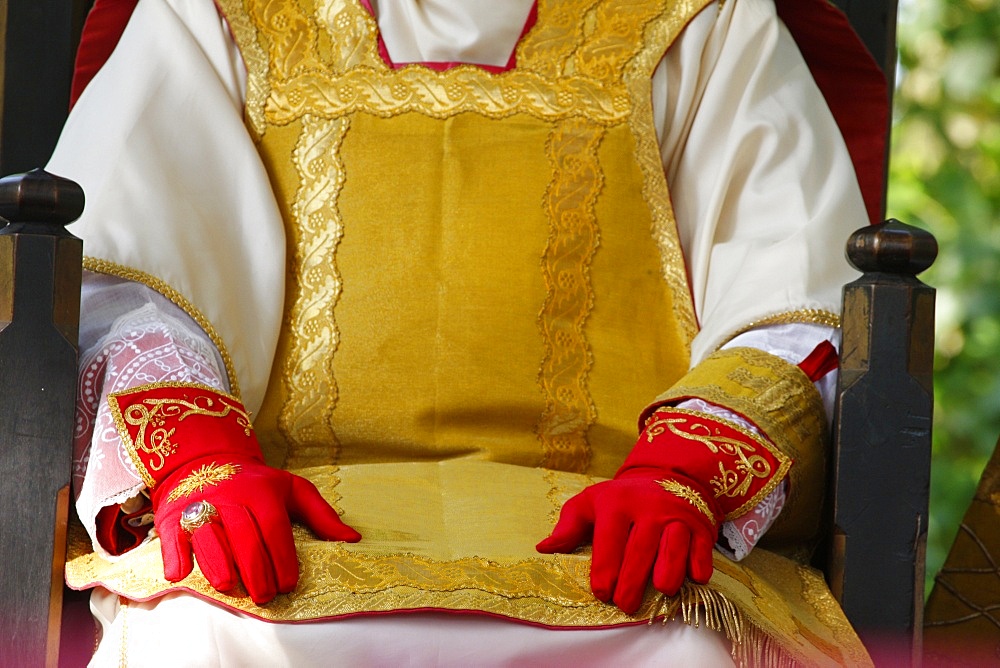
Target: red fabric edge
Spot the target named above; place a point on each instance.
(101, 32)
(853, 84)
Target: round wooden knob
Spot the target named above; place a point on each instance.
(40, 197)
(892, 247)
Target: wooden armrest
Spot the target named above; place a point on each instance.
(882, 440)
(40, 270)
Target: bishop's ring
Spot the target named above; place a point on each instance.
(197, 514)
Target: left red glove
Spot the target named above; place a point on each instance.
(211, 490)
(660, 515)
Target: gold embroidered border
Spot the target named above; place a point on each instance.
(573, 239)
(825, 607)
(547, 48)
(638, 73)
(352, 31)
(784, 462)
(121, 271)
(306, 419)
(465, 89)
(811, 316)
(550, 590)
(736, 603)
(556, 77)
(613, 41)
(255, 61)
(165, 448)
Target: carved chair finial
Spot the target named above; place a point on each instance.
(40, 197)
(892, 247)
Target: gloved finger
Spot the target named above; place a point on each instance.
(252, 559)
(640, 553)
(611, 532)
(308, 506)
(576, 522)
(276, 529)
(175, 547)
(672, 561)
(700, 559)
(211, 549)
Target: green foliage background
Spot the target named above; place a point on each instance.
(945, 177)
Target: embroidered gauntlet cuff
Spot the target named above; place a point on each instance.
(781, 401)
(171, 426)
(738, 467)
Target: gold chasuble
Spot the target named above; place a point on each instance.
(485, 290)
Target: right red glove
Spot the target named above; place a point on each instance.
(211, 490)
(637, 529)
(661, 513)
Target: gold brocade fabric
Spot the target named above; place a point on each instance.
(470, 253)
(775, 611)
(485, 286)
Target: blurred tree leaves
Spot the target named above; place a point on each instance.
(945, 176)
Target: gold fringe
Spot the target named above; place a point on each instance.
(698, 605)
(123, 644)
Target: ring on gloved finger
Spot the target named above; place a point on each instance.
(197, 514)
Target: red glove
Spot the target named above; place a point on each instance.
(211, 490)
(660, 514)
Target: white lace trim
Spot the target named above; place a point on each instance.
(145, 345)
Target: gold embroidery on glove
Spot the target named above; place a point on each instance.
(729, 482)
(779, 399)
(151, 416)
(208, 475)
(689, 495)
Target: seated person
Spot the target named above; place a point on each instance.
(408, 274)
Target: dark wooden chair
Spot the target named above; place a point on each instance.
(881, 457)
(880, 473)
(40, 268)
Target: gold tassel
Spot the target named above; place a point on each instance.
(696, 605)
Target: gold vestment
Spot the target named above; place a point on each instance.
(485, 289)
